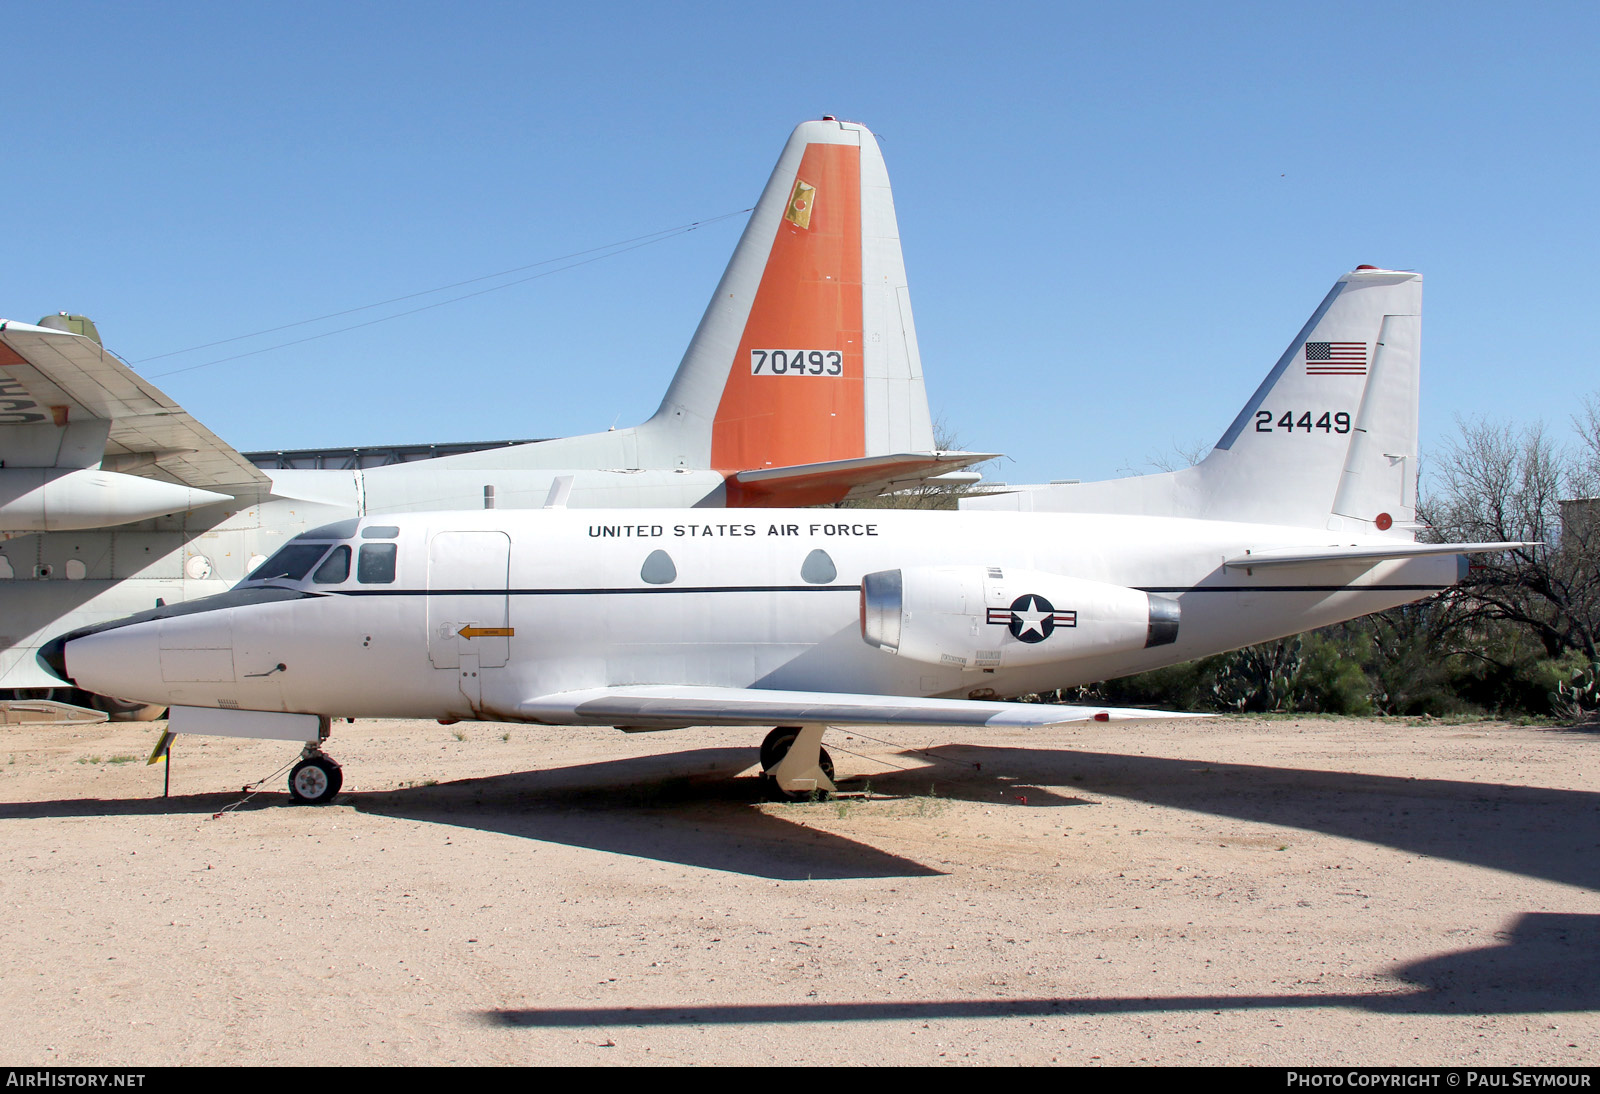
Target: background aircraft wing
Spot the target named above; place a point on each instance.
(67, 401)
(672, 706)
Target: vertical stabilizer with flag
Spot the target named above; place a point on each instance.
(1328, 441)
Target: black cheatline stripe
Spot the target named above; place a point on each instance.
(1179, 589)
(1290, 588)
(600, 592)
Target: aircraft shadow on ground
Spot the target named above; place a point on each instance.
(1532, 831)
(685, 807)
(1546, 963)
(195, 804)
(688, 807)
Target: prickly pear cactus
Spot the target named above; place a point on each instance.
(1578, 698)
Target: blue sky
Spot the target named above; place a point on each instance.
(1114, 216)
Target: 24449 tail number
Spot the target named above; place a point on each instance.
(1327, 422)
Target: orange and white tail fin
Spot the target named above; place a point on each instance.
(807, 354)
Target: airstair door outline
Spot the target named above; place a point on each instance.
(468, 618)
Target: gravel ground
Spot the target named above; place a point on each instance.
(1342, 892)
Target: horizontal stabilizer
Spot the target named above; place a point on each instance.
(1364, 553)
(668, 706)
(832, 480)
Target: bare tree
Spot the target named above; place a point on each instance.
(1180, 455)
(1499, 483)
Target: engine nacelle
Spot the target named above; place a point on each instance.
(61, 500)
(974, 617)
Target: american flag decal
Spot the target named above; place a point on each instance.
(1336, 358)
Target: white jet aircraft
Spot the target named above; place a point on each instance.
(644, 620)
(802, 385)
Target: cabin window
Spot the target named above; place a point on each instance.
(380, 531)
(376, 564)
(291, 563)
(658, 569)
(818, 568)
(335, 568)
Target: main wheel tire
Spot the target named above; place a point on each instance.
(315, 781)
(775, 748)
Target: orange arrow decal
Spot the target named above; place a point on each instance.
(470, 632)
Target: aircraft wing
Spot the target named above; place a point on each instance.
(51, 379)
(833, 480)
(671, 706)
(1363, 553)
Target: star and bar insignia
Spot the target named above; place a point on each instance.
(1032, 618)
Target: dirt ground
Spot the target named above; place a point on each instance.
(1267, 891)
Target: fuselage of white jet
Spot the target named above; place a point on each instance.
(491, 614)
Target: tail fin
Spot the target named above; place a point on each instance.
(1329, 439)
(807, 353)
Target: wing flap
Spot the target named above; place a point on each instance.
(671, 706)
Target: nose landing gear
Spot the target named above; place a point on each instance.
(315, 779)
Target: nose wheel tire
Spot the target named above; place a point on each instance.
(314, 781)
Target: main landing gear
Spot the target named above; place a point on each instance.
(794, 765)
(315, 779)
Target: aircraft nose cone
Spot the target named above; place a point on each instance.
(53, 656)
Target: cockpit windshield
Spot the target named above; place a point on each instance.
(292, 562)
(374, 565)
(335, 568)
